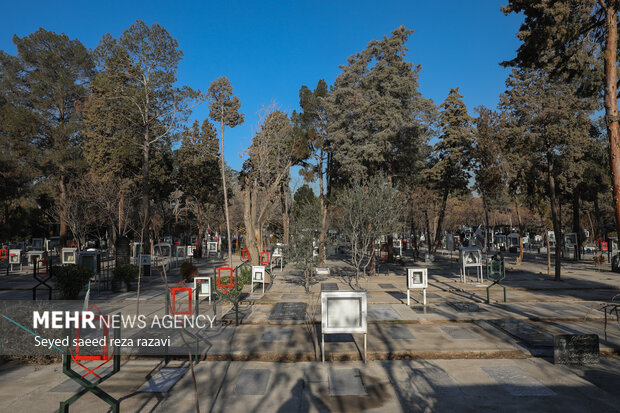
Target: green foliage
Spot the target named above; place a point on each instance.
(223, 106)
(377, 116)
(304, 194)
(126, 272)
(69, 280)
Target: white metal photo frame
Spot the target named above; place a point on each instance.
(203, 286)
(343, 312)
(417, 278)
(258, 276)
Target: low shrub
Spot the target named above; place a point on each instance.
(69, 280)
(126, 273)
(188, 271)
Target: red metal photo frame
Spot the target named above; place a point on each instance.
(47, 267)
(104, 357)
(262, 261)
(383, 254)
(603, 246)
(4, 254)
(189, 295)
(231, 284)
(245, 255)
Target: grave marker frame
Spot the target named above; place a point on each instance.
(343, 312)
(417, 278)
(258, 276)
(199, 286)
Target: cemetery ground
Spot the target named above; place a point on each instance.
(457, 353)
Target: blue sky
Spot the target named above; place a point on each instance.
(269, 49)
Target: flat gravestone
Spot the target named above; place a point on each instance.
(276, 334)
(577, 349)
(339, 338)
(400, 333)
(388, 286)
(530, 334)
(397, 294)
(382, 313)
(465, 307)
(252, 382)
(289, 296)
(346, 382)
(163, 380)
(516, 382)
(288, 311)
(434, 381)
(329, 287)
(424, 309)
(459, 333)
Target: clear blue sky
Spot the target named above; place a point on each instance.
(269, 49)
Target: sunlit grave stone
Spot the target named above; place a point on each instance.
(343, 312)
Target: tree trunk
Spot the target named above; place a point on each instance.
(555, 216)
(611, 100)
(597, 219)
(519, 222)
(576, 223)
(225, 196)
(428, 232)
(63, 212)
(248, 213)
(146, 207)
(285, 212)
(442, 213)
(323, 200)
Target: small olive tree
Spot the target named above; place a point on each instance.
(305, 229)
(369, 210)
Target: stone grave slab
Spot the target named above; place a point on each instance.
(346, 382)
(289, 296)
(516, 382)
(163, 380)
(459, 332)
(329, 287)
(576, 349)
(145, 295)
(382, 313)
(425, 309)
(531, 334)
(277, 334)
(397, 294)
(465, 307)
(288, 311)
(388, 286)
(434, 380)
(339, 338)
(400, 333)
(252, 382)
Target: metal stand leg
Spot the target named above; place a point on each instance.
(322, 347)
(424, 296)
(365, 357)
(408, 297)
